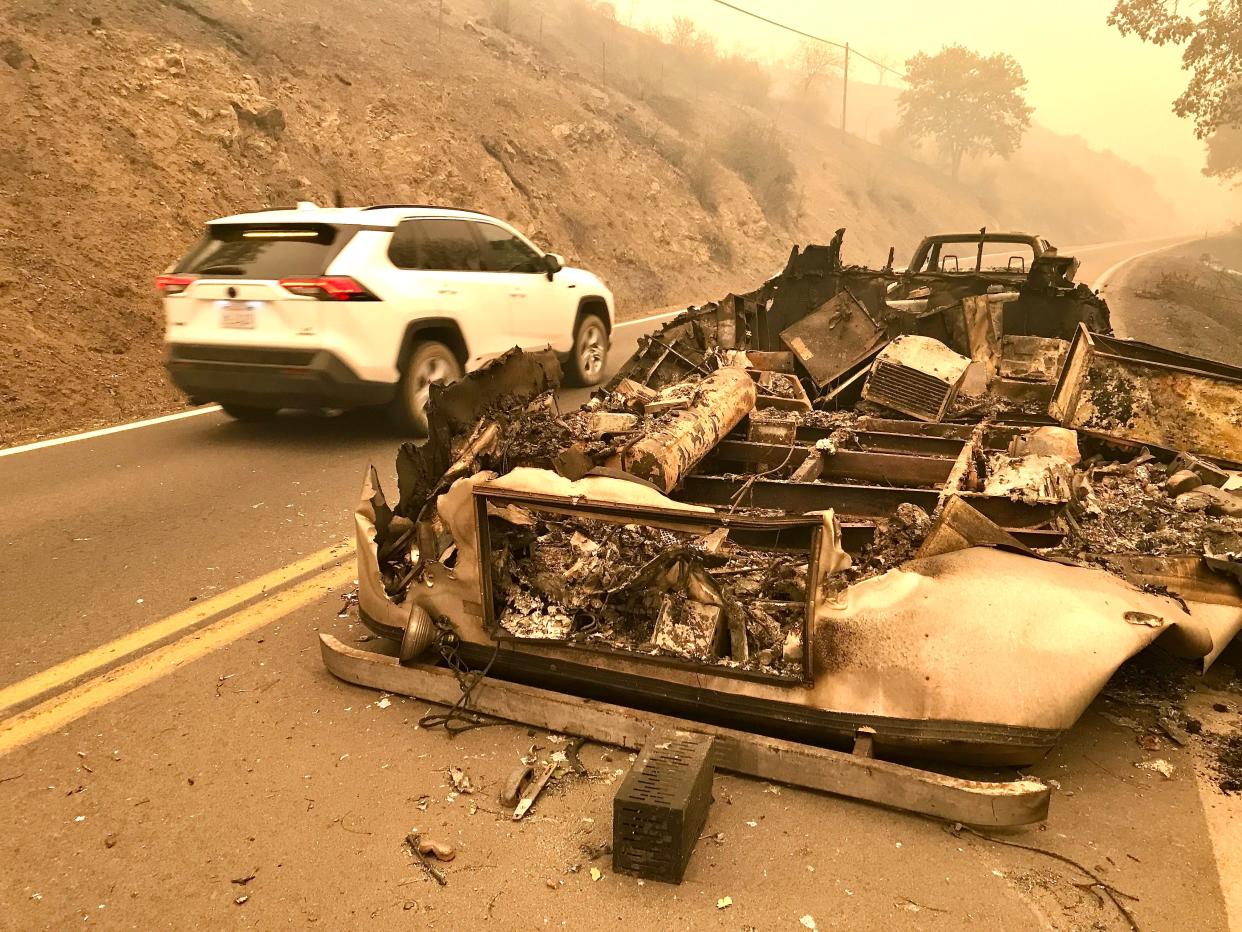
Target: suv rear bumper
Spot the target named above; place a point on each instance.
(277, 378)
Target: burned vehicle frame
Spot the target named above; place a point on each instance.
(930, 256)
(838, 514)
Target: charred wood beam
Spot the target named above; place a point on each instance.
(856, 536)
(1010, 514)
(1037, 538)
(673, 448)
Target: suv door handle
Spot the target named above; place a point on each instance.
(447, 291)
(517, 294)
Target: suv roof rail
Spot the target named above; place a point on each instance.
(420, 206)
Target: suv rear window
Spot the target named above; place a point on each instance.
(267, 252)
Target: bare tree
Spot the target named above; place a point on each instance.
(886, 62)
(682, 34)
(813, 60)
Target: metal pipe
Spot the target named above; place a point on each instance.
(845, 86)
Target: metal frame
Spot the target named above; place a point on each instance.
(857, 776)
(1088, 348)
(669, 519)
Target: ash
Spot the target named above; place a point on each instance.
(1130, 512)
(631, 587)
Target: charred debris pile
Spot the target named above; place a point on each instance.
(821, 392)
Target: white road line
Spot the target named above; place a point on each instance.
(1095, 247)
(1103, 278)
(646, 320)
(104, 431)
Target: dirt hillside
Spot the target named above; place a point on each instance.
(131, 122)
(1190, 295)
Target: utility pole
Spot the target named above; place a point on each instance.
(845, 86)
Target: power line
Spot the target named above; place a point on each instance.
(807, 35)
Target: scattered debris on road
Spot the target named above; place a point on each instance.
(421, 850)
(905, 513)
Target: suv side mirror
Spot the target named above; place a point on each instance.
(552, 264)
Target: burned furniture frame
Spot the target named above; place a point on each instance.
(800, 533)
(1133, 394)
(898, 462)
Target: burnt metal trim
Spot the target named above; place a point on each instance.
(888, 425)
(887, 442)
(863, 466)
(1011, 514)
(860, 501)
(1008, 744)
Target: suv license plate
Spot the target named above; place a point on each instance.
(237, 316)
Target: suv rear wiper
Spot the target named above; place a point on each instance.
(222, 270)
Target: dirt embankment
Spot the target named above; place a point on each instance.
(131, 122)
(1188, 298)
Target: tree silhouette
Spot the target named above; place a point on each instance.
(1212, 36)
(683, 32)
(813, 60)
(1224, 154)
(966, 102)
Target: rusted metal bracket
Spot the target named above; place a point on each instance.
(971, 802)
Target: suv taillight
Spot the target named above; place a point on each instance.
(168, 285)
(333, 288)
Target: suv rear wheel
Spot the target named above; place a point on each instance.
(248, 412)
(427, 362)
(590, 352)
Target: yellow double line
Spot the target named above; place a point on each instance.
(68, 705)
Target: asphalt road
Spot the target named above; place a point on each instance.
(145, 802)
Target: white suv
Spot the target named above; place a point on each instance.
(346, 307)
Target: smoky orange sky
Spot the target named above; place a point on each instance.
(1084, 77)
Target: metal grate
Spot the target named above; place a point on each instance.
(661, 806)
(909, 391)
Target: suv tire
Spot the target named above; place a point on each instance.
(427, 361)
(248, 412)
(590, 353)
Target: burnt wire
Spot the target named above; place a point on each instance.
(750, 481)
(1097, 884)
(460, 717)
